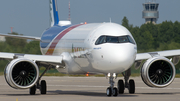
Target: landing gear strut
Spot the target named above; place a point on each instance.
(129, 85)
(40, 85)
(111, 90)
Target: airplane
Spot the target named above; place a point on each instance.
(93, 48)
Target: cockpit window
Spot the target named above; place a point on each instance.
(111, 39)
(123, 39)
(114, 39)
(131, 40)
(102, 39)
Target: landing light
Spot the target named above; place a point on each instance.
(114, 75)
(109, 75)
(57, 66)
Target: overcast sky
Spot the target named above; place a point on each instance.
(31, 17)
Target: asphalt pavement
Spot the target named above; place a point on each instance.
(89, 89)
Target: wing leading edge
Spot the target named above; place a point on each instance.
(37, 58)
(168, 53)
(21, 37)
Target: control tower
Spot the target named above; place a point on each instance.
(150, 12)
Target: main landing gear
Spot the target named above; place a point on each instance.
(121, 85)
(40, 85)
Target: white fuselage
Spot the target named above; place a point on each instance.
(90, 57)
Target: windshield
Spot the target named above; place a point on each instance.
(114, 39)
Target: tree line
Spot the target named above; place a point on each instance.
(14, 45)
(23, 46)
(155, 37)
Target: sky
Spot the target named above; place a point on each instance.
(31, 17)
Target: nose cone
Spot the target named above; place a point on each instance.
(115, 58)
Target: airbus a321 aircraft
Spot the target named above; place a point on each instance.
(106, 48)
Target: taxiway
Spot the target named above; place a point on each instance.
(89, 89)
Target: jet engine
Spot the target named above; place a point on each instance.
(158, 72)
(21, 73)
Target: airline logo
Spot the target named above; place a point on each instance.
(54, 12)
(59, 36)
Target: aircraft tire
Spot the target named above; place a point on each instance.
(120, 86)
(115, 91)
(131, 87)
(32, 90)
(43, 87)
(109, 91)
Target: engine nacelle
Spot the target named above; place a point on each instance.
(158, 72)
(21, 73)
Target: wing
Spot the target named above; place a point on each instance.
(168, 53)
(23, 70)
(21, 37)
(43, 59)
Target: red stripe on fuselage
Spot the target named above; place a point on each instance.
(56, 40)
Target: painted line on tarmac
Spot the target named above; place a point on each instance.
(105, 87)
(77, 86)
(87, 86)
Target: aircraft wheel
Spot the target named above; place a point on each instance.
(109, 91)
(120, 86)
(115, 91)
(32, 90)
(43, 87)
(131, 87)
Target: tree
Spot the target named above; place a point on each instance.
(176, 29)
(32, 48)
(125, 23)
(166, 33)
(16, 43)
(155, 37)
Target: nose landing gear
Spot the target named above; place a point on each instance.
(111, 90)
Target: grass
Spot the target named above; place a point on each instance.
(177, 75)
(1, 73)
(84, 75)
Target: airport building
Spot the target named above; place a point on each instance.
(2, 39)
(150, 12)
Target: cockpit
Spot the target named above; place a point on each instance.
(114, 39)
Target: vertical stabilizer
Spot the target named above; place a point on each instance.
(54, 18)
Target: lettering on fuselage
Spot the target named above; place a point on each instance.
(97, 48)
(77, 49)
(78, 52)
